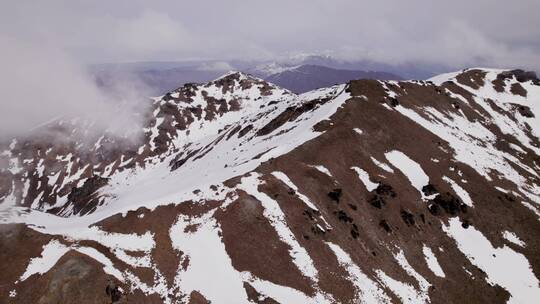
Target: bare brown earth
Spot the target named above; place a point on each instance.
(369, 226)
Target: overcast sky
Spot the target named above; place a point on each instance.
(463, 32)
(44, 45)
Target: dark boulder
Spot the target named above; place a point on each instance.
(525, 111)
(335, 194)
(407, 217)
(448, 203)
(384, 225)
(342, 216)
(377, 201)
(429, 189)
(385, 190)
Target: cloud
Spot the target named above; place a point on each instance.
(215, 66)
(40, 82)
(491, 31)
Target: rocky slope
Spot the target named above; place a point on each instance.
(239, 191)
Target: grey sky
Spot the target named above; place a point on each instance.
(489, 32)
(44, 44)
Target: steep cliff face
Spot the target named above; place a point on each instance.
(239, 191)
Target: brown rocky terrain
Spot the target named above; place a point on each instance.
(239, 191)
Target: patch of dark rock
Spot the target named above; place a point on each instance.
(423, 218)
(377, 201)
(342, 216)
(168, 97)
(509, 197)
(525, 111)
(385, 190)
(434, 209)
(353, 207)
(407, 217)
(465, 224)
(450, 204)
(393, 102)
(517, 89)
(281, 119)
(245, 130)
(521, 76)
(317, 230)
(234, 131)
(255, 297)
(290, 114)
(384, 225)
(197, 111)
(382, 191)
(82, 196)
(335, 195)
(178, 161)
(354, 233)
(472, 78)
(234, 105)
(429, 189)
(310, 214)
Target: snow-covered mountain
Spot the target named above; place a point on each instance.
(240, 191)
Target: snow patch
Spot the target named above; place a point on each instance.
(462, 193)
(275, 215)
(323, 169)
(432, 262)
(411, 169)
(382, 165)
(503, 266)
(285, 179)
(50, 254)
(210, 269)
(513, 238)
(364, 177)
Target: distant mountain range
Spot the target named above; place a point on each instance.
(298, 74)
(310, 77)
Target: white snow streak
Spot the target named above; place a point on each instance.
(432, 262)
(210, 269)
(364, 177)
(287, 181)
(409, 168)
(367, 290)
(513, 238)
(382, 165)
(503, 266)
(273, 212)
(51, 253)
(462, 193)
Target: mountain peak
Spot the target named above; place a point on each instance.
(234, 74)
